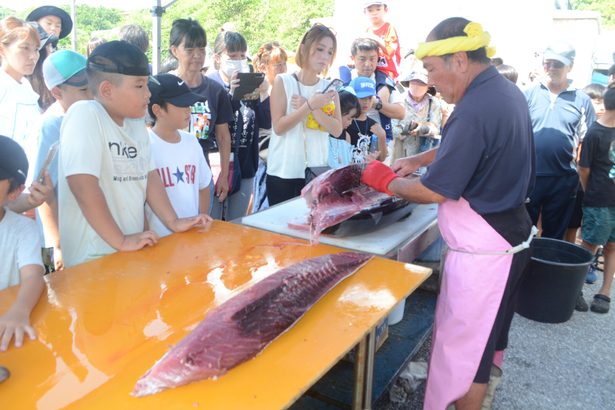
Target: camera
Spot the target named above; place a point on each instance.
(422, 130)
(409, 127)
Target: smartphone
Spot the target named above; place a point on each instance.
(248, 83)
(51, 154)
(334, 85)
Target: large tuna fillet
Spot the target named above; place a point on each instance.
(338, 195)
(244, 325)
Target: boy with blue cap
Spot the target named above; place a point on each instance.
(364, 129)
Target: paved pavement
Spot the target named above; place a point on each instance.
(561, 366)
(551, 366)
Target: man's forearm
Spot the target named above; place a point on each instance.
(427, 157)
(393, 111)
(414, 191)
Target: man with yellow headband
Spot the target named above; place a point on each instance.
(480, 175)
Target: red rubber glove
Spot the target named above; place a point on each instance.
(378, 176)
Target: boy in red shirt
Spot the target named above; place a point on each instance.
(386, 35)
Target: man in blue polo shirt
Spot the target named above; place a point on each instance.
(480, 176)
(560, 116)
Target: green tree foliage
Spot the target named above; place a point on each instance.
(94, 19)
(605, 7)
(259, 21)
(5, 12)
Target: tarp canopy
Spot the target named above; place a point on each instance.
(157, 11)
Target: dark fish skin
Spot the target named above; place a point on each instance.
(244, 325)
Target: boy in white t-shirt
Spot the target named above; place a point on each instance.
(177, 154)
(106, 170)
(20, 249)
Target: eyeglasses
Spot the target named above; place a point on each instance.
(553, 64)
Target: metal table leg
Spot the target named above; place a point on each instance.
(364, 372)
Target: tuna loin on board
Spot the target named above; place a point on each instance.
(336, 196)
(244, 325)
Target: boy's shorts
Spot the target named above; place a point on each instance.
(598, 226)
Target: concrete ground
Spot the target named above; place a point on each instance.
(548, 366)
(565, 366)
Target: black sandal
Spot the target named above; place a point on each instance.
(601, 303)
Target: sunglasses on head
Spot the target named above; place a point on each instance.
(553, 64)
(324, 28)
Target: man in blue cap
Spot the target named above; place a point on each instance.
(560, 117)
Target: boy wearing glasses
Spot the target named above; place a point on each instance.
(560, 117)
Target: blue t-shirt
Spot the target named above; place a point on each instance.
(487, 153)
(49, 134)
(559, 124)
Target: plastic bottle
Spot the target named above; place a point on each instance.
(373, 143)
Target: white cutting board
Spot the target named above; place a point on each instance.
(380, 242)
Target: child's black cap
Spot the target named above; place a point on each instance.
(171, 89)
(13, 161)
(40, 12)
(119, 57)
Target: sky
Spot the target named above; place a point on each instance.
(120, 4)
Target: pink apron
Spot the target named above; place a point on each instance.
(471, 291)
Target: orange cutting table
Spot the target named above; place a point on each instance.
(102, 324)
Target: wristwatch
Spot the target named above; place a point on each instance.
(378, 105)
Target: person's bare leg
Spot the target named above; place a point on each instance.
(609, 269)
(473, 400)
(571, 235)
(590, 247)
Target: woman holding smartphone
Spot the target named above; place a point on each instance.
(230, 50)
(297, 103)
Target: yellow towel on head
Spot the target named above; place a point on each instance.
(476, 38)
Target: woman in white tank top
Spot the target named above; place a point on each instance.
(294, 145)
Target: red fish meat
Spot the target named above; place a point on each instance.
(338, 195)
(244, 325)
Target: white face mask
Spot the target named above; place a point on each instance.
(231, 66)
